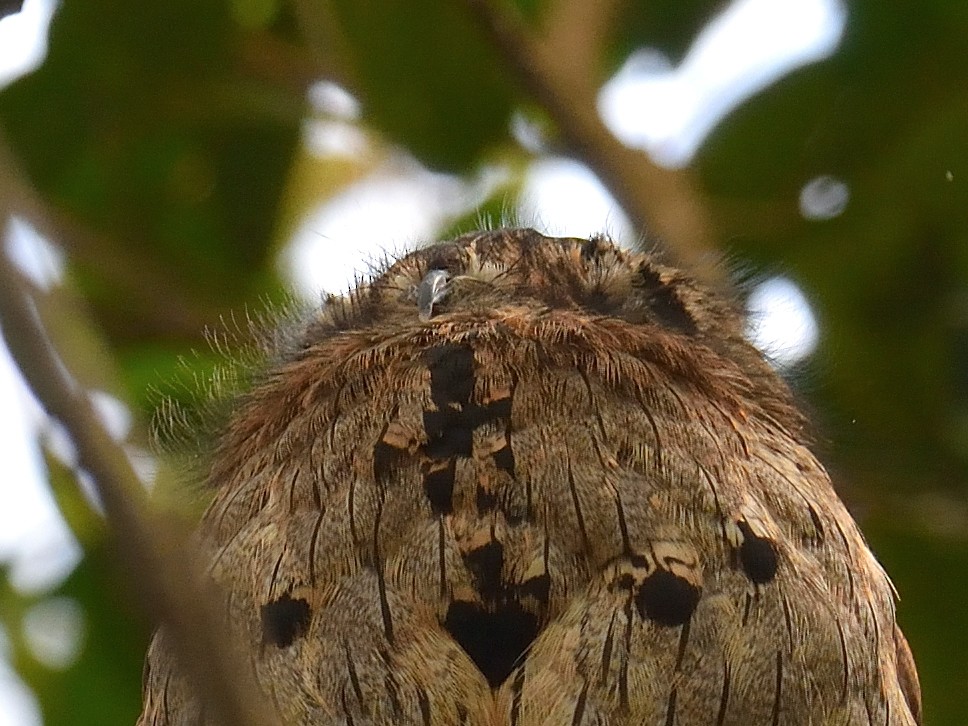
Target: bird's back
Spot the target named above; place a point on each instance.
(559, 487)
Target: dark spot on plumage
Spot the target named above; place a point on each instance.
(666, 598)
(496, 410)
(384, 458)
(538, 587)
(451, 374)
(599, 301)
(638, 561)
(450, 429)
(494, 640)
(515, 511)
(757, 556)
(284, 620)
(438, 481)
(485, 564)
(664, 301)
(504, 459)
(448, 434)
(486, 500)
(624, 582)
(390, 681)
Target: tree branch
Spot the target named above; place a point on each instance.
(169, 581)
(577, 32)
(661, 201)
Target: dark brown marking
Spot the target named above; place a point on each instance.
(292, 491)
(448, 434)
(817, 524)
(351, 509)
(381, 578)
(538, 587)
(683, 642)
(497, 410)
(438, 482)
(778, 693)
(592, 249)
(313, 540)
(577, 504)
(354, 678)
(485, 564)
(671, 709)
(623, 672)
(346, 708)
(316, 475)
(719, 510)
(787, 618)
(385, 457)
(164, 694)
(757, 556)
(877, 627)
(424, 703)
(667, 599)
(442, 556)
(580, 705)
(845, 684)
(723, 696)
(870, 716)
(607, 649)
(747, 607)
(275, 572)
(450, 428)
(517, 686)
(622, 525)
(494, 640)
(451, 373)
(504, 458)
(664, 301)
(625, 581)
(655, 432)
(284, 620)
(907, 674)
(528, 508)
(849, 570)
(486, 500)
(390, 682)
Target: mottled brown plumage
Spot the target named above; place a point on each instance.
(553, 485)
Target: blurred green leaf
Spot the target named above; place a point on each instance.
(143, 127)
(427, 77)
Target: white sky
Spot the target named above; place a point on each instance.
(668, 111)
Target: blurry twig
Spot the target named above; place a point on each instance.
(577, 32)
(329, 48)
(661, 201)
(171, 586)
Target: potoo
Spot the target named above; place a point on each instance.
(523, 480)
